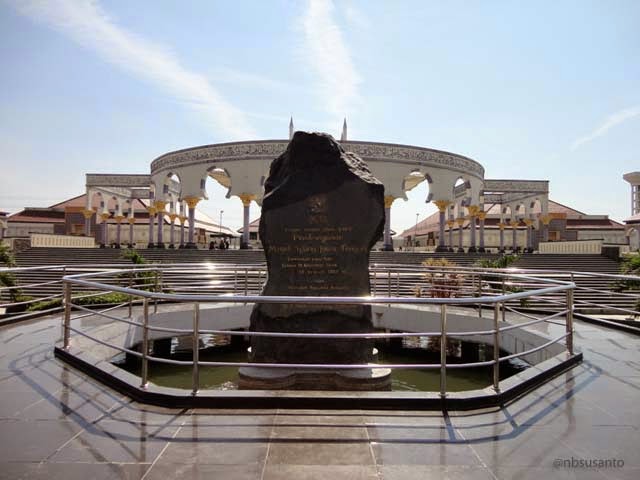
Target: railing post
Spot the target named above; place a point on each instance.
(130, 296)
(504, 307)
(443, 350)
(144, 375)
(67, 315)
(496, 348)
(196, 351)
(480, 295)
(569, 322)
(155, 290)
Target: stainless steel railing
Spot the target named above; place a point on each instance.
(595, 292)
(488, 295)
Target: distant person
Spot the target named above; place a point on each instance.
(226, 244)
(221, 244)
(212, 245)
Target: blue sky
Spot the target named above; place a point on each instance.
(532, 90)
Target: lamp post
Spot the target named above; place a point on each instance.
(415, 234)
(221, 212)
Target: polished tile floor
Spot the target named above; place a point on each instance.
(57, 423)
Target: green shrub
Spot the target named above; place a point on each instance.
(503, 261)
(141, 280)
(110, 298)
(630, 266)
(8, 279)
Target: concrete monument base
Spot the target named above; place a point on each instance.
(361, 379)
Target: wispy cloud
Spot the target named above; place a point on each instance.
(356, 17)
(608, 123)
(252, 80)
(337, 79)
(86, 23)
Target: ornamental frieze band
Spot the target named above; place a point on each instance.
(270, 149)
(115, 180)
(541, 186)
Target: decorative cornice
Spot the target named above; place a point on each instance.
(117, 180)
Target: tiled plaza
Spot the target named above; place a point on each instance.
(56, 423)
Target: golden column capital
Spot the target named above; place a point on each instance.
(502, 225)
(528, 222)
(173, 216)
(152, 210)
(246, 198)
(160, 205)
(442, 204)
(104, 216)
(192, 201)
(451, 223)
(514, 223)
(482, 215)
(473, 210)
(88, 213)
(388, 200)
(131, 220)
(545, 219)
(182, 219)
(119, 218)
(460, 221)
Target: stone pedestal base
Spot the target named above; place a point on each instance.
(361, 379)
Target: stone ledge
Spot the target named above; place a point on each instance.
(128, 384)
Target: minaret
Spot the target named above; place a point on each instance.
(634, 179)
(343, 137)
(291, 128)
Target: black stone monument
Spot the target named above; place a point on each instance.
(322, 212)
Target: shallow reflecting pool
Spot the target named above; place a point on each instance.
(408, 350)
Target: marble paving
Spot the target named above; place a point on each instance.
(56, 423)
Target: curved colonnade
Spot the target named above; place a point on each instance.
(177, 180)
